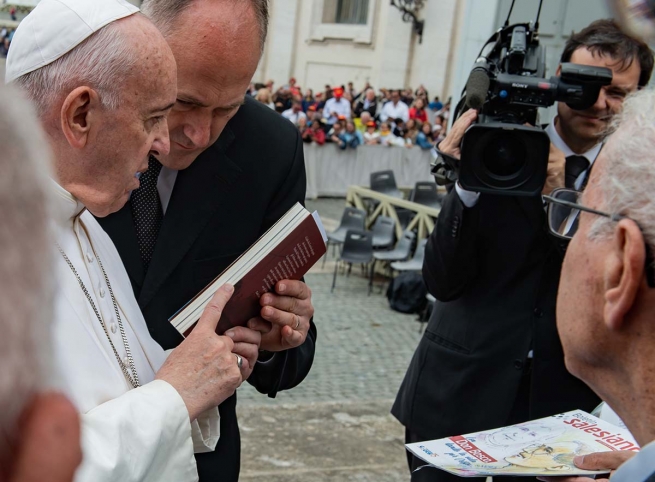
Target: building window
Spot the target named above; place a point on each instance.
(352, 12)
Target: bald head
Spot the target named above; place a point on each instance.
(217, 46)
(166, 13)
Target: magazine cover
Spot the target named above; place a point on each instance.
(536, 448)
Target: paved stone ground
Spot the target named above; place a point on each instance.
(363, 347)
(322, 442)
(336, 426)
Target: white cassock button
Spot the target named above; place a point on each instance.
(126, 361)
(113, 327)
(89, 257)
(102, 292)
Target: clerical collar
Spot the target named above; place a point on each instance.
(69, 206)
(558, 142)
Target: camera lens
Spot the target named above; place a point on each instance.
(504, 156)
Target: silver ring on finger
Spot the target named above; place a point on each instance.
(297, 323)
(239, 361)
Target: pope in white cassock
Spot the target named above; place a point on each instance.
(103, 80)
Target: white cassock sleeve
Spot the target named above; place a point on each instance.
(145, 436)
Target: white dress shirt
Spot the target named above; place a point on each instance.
(334, 108)
(294, 116)
(128, 434)
(165, 185)
(558, 142)
(470, 198)
(392, 111)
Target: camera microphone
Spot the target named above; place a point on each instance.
(477, 87)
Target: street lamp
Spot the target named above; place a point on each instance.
(410, 10)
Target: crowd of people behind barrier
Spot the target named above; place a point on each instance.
(349, 118)
(6, 36)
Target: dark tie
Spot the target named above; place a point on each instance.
(575, 165)
(147, 211)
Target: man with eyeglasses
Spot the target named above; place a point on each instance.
(490, 355)
(606, 296)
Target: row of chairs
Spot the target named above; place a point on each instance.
(359, 246)
(424, 193)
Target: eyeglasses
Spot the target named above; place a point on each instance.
(564, 212)
(564, 215)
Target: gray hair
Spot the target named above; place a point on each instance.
(100, 62)
(164, 13)
(25, 265)
(629, 177)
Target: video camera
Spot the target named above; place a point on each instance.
(500, 153)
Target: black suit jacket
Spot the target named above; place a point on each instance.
(495, 271)
(372, 108)
(220, 205)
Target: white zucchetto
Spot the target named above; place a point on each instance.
(55, 27)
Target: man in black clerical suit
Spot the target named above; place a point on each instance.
(234, 168)
(491, 355)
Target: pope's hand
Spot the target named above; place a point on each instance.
(609, 461)
(203, 368)
(285, 316)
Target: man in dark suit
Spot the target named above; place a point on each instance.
(234, 168)
(490, 355)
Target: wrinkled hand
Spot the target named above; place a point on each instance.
(609, 461)
(451, 143)
(285, 316)
(556, 170)
(246, 345)
(203, 368)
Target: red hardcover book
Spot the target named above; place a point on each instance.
(286, 251)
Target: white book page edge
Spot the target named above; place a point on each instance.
(319, 223)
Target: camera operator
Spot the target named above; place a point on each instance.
(491, 355)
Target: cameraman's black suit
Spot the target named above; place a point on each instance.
(495, 271)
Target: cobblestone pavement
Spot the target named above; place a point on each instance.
(322, 442)
(363, 347)
(330, 209)
(336, 426)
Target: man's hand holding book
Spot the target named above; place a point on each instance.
(285, 315)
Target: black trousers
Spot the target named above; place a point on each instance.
(520, 413)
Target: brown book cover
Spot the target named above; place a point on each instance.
(290, 259)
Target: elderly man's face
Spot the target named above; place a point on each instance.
(125, 137)
(217, 48)
(581, 290)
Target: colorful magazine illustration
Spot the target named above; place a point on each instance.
(536, 448)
